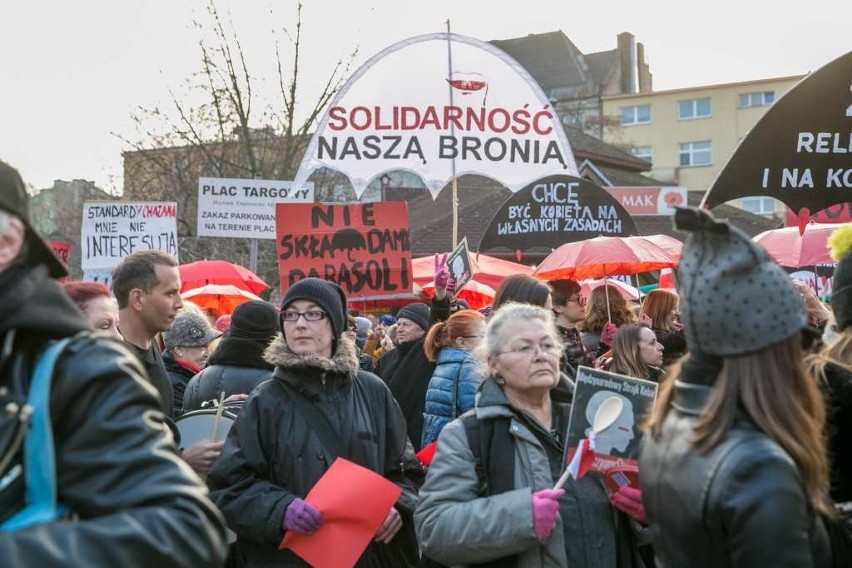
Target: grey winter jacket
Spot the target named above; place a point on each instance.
(456, 526)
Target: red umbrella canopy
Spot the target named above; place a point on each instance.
(221, 298)
(486, 269)
(606, 256)
(794, 250)
(476, 294)
(203, 272)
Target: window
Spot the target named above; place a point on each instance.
(764, 98)
(758, 205)
(642, 152)
(640, 114)
(695, 153)
(693, 108)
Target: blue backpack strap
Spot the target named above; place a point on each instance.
(39, 457)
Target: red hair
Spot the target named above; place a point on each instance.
(81, 293)
(444, 333)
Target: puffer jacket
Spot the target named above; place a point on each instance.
(457, 376)
(235, 367)
(272, 455)
(137, 503)
(742, 504)
(457, 526)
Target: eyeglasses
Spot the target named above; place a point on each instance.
(580, 300)
(352, 329)
(310, 315)
(529, 349)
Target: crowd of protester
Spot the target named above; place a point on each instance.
(743, 459)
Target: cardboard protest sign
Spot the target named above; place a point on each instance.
(618, 445)
(800, 152)
(553, 211)
(404, 109)
(112, 230)
(458, 263)
(363, 247)
(354, 502)
(244, 208)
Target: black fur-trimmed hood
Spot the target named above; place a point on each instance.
(344, 361)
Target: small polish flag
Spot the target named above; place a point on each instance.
(667, 279)
(583, 458)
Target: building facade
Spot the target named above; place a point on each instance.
(689, 134)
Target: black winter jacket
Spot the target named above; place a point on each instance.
(235, 367)
(741, 505)
(272, 455)
(839, 430)
(179, 376)
(137, 503)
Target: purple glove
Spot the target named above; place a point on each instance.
(301, 517)
(442, 273)
(629, 500)
(451, 287)
(608, 333)
(545, 506)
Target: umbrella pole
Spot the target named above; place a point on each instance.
(606, 291)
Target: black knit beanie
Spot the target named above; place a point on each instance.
(734, 299)
(254, 320)
(327, 295)
(840, 243)
(417, 312)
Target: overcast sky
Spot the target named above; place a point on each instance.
(71, 73)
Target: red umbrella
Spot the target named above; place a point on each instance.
(793, 250)
(221, 298)
(203, 272)
(486, 269)
(476, 294)
(608, 256)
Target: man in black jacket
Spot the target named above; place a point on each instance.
(116, 470)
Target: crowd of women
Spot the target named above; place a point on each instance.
(742, 462)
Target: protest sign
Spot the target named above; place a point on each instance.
(244, 208)
(405, 110)
(112, 230)
(800, 152)
(458, 263)
(61, 250)
(553, 211)
(354, 502)
(618, 445)
(363, 247)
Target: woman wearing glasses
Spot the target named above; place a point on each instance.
(488, 495)
(317, 407)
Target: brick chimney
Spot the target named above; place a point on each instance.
(627, 62)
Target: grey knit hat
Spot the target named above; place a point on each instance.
(189, 330)
(734, 298)
(327, 295)
(417, 312)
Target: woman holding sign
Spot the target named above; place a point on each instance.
(488, 496)
(318, 406)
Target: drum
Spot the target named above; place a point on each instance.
(199, 425)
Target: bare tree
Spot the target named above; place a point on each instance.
(237, 131)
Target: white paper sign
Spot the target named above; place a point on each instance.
(404, 110)
(112, 230)
(244, 208)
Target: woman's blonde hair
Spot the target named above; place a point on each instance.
(658, 304)
(596, 309)
(776, 391)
